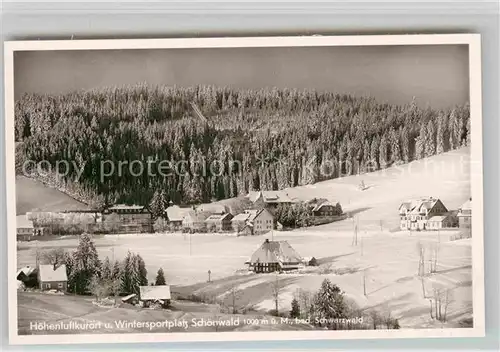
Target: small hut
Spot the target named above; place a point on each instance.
(151, 296)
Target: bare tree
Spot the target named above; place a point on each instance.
(276, 292)
(305, 299)
(52, 257)
(448, 298)
(114, 288)
(421, 266)
(376, 319)
(98, 288)
(235, 295)
(430, 302)
(441, 299)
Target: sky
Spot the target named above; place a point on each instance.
(436, 75)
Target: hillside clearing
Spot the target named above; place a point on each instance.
(390, 257)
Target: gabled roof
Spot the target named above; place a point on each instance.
(275, 252)
(270, 197)
(241, 217)
(126, 207)
(212, 208)
(319, 203)
(154, 292)
(438, 218)
(195, 216)
(26, 271)
(176, 213)
(22, 222)
(218, 217)
(418, 206)
(48, 274)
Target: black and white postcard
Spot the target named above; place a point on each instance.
(270, 188)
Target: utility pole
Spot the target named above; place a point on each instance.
(364, 282)
(209, 272)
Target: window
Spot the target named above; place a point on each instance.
(47, 285)
(60, 285)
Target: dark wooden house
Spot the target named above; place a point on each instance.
(274, 256)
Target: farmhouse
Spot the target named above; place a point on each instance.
(194, 221)
(274, 256)
(151, 296)
(441, 222)
(219, 222)
(212, 209)
(323, 207)
(25, 228)
(465, 214)
(247, 230)
(27, 276)
(130, 218)
(52, 277)
(269, 199)
(415, 214)
(175, 215)
(261, 221)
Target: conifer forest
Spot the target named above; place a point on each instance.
(265, 139)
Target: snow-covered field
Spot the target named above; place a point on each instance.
(390, 257)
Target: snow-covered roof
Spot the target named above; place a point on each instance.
(218, 217)
(22, 222)
(126, 298)
(438, 218)
(212, 208)
(27, 271)
(241, 217)
(275, 252)
(154, 292)
(126, 207)
(195, 216)
(176, 213)
(417, 206)
(48, 274)
(270, 197)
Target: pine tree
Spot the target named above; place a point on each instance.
(106, 269)
(115, 274)
(86, 263)
(405, 143)
(455, 130)
(143, 273)
(70, 271)
(430, 140)
(158, 204)
(367, 166)
(394, 146)
(329, 302)
(440, 135)
(383, 152)
(420, 143)
(374, 153)
(126, 273)
(160, 278)
(468, 137)
(295, 311)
